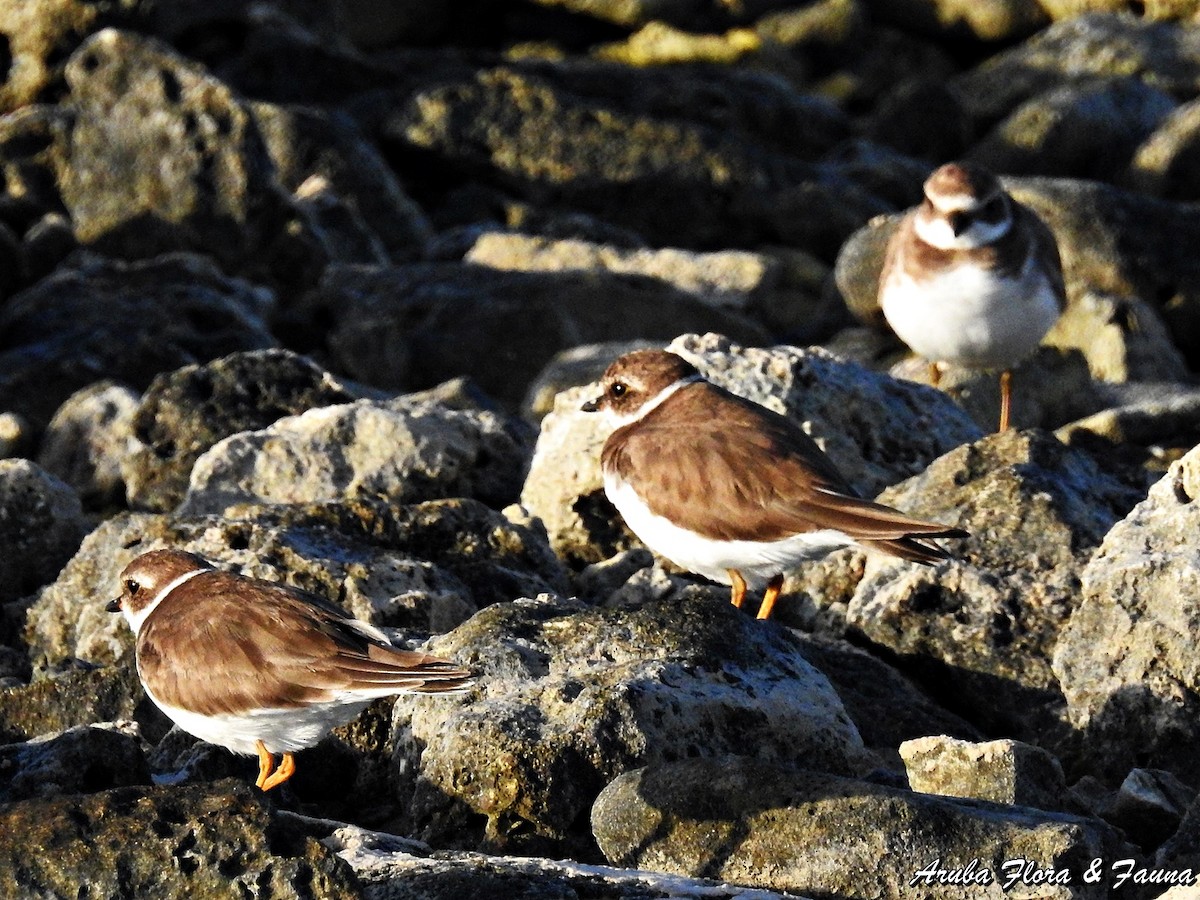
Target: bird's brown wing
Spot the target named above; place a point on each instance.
(726, 468)
(214, 647)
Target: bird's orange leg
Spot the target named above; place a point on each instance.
(266, 764)
(935, 373)
(1005, 398)
(287, 768)
(738, 587)
(769, 598)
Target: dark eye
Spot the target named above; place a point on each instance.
(618, 389)
(993, 210)
(132, 587)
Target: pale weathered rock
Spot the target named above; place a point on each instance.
(765, 824)
(394, 868)
(81, 760)
(876, 429)
(404, 453)
(1165, 165)
(394, 566)
(89, 438)
(185, 412)
(175, 840)
(41, 525)
(571, 696)
(1002, 771)
(988, 620)
(1126, 659)
(1152, 415)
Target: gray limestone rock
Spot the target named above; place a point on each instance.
(1002, 771)
(75, 698)
(41, 525)
(88, 439)
(392, 868)
(1086, 130)
(571, 696)
(988, 621)
(876, 429)
(186, 411)
(162, 156)
(211, 840)
(1126, 659)
(402, 452)
(82, 760)
(765, 824)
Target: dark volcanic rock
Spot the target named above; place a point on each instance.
(201, 841)
(75, 698)
(186, 411)
(122, 321)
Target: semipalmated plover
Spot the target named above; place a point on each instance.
(972, 277)
(729, 489)
(256, 666)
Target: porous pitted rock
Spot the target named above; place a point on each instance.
(571, 696)
(185, 411)
(41, 525)
(989, 20)
(884, 705)
(685, 159)
(82, 760)
(876, 429)
(88, 439)
(37, 38)
(1002, 771)
(394, 868)
(102, 319)
(324, 160)
(422, 567)
(161, 157)
(201, 841)
(402, 451)
(1087, 130)
(1126, 660)
(411, 327)
(766, 824)
(979, 631)
(75, 698)
(1080, 49)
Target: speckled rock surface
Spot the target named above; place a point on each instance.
(572, 696)
(1124, 659)
(402, 452)
(1002, 771)
(184, 412)
(756, 822)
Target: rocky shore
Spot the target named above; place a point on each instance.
(317, 290)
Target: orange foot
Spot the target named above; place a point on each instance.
(737, 587)
(267, 778)
(769, 598)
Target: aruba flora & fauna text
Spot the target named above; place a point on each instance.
(1021, 872)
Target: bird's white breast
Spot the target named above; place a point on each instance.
(969, 316)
